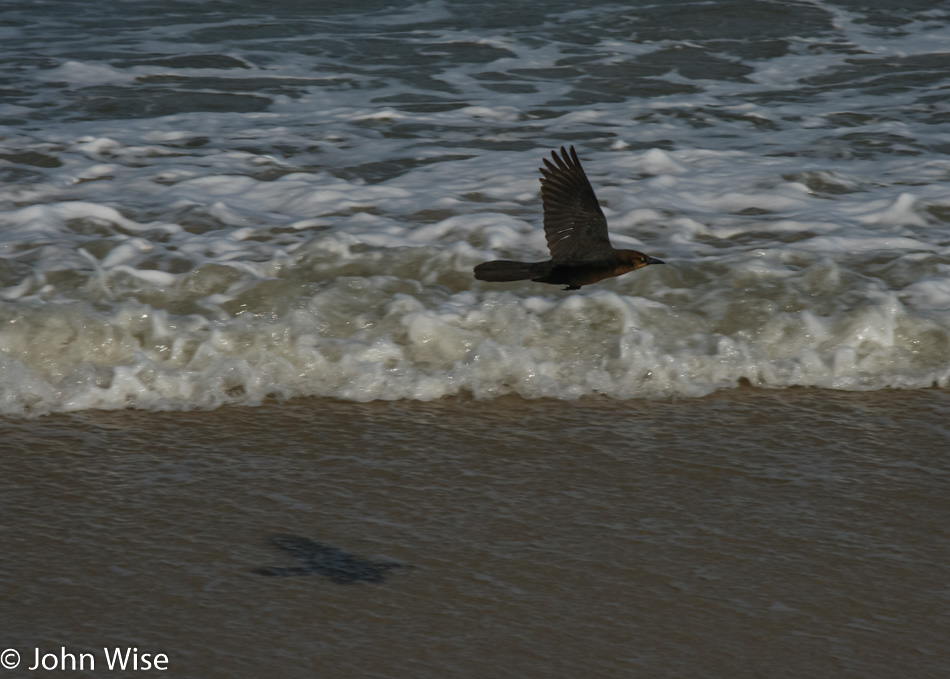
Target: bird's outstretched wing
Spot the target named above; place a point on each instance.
(574, 224)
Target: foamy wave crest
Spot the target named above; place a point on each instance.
(386, 337)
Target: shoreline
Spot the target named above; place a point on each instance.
(781, 531)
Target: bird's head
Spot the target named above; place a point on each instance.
(633, 260)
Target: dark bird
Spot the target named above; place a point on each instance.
(576, 231)
(321, 559)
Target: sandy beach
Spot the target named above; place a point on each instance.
(795, 533)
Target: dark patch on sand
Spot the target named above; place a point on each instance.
(321, 559)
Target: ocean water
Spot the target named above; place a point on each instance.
(214, 203)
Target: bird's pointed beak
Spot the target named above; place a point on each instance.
(651, 260)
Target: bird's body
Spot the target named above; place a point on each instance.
(576, 232)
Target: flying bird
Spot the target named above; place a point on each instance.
(576, 231)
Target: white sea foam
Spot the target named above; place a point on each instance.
(225, 219)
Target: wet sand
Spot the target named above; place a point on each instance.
(794, 533)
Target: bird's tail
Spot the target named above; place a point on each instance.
(503, 270)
